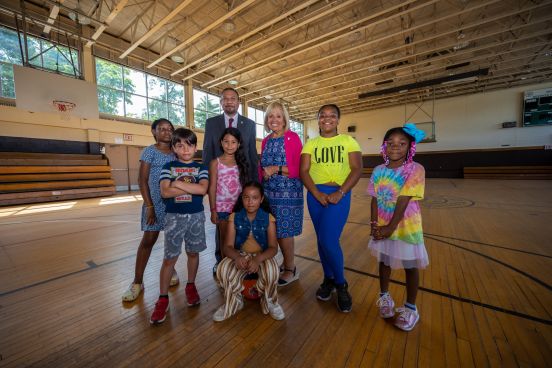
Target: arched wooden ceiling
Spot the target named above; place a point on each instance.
(307, 53)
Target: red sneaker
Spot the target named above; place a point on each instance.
(192, 295)
(160, 312)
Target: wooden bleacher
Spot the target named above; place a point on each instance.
(509, 172)
(44, 177)
(367, 172)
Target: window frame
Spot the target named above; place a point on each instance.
(77, 67)
(127, 94)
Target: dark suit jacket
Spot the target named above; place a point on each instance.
(211, 142)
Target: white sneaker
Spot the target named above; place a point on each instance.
(219, 314)
(407, 318)
(174, 279)
(133, 292)
(386, 306)
(276, 311)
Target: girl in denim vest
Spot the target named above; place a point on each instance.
(250, 247)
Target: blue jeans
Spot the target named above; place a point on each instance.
(329, 223)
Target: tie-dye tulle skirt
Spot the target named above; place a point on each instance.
(398, 254)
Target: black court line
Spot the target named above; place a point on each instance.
(447, 295)
(472, 241)
(491, 245)
(91, 266)
(531, 277)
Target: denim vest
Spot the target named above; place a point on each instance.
(259, 228)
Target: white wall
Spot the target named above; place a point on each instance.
(464, 122)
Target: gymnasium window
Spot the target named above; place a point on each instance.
(130, 93)
(297, 127)
(42, 54)
(206, 105)
(258, 117)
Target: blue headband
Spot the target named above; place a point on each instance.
(414, 132)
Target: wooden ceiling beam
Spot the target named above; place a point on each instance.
(448, 46)
(155, 28)
(213, 25)
(349, 28)
(365, 44)
(116, 10)
(241, 38)
(331, 9)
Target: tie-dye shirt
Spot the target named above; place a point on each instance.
(387, 185)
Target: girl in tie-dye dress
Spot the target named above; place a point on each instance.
(396, 187)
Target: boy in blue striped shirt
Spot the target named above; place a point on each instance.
(183, 184)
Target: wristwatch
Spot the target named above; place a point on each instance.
(280, 170)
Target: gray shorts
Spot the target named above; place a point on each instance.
(188, 228)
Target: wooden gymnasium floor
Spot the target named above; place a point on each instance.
(485, 299)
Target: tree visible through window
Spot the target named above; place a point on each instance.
(131, 93)
(206, 106)
(42, 54)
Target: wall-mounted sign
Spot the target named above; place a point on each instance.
(127, 137)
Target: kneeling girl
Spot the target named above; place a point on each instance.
(250, 247)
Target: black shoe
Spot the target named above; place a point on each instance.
(325, 290)
(295, 277)
(344, 299)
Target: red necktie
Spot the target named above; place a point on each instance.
(230, 121)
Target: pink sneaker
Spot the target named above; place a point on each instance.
(160, 312)
(407, 318)
(386, 306)
(192, 295)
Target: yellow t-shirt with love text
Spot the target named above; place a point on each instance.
(329, 158)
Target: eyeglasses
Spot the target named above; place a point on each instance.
(330, 116)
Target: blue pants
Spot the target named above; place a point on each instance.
(329, 223)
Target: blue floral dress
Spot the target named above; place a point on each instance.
(285, 194)
(156, 159)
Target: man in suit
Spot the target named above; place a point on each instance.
(230, 101)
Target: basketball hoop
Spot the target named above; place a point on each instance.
(63, 107)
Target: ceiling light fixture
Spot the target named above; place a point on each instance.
(78, 16)
(229, 26)
(461, 45)
(354, 36)
(461, 80)
(177, 59)
(233, 82)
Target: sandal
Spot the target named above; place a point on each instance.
(283, 282)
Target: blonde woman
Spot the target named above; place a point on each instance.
(279, 173)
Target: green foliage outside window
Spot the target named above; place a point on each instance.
(205, 109)
(123, 91)
(41, 53)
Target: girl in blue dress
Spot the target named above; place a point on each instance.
(153, 209)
